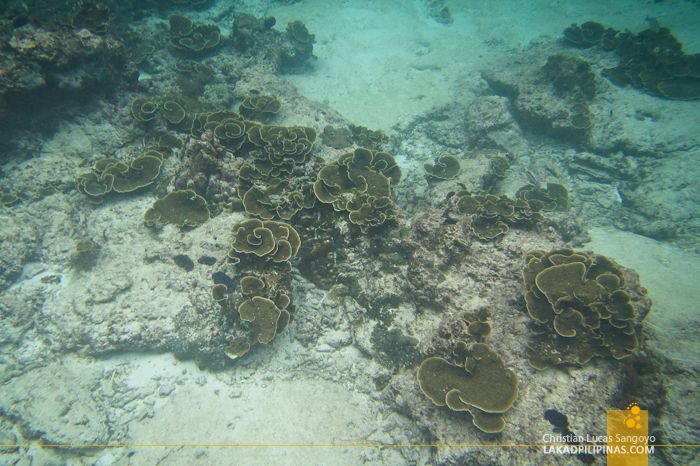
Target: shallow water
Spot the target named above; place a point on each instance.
(113, 349)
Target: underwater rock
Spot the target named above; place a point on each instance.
(61, 410)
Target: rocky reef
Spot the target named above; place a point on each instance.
(203, 208)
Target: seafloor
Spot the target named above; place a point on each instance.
(113, 349)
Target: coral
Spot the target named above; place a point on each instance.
(301, 45)
(272, 241)
(247, 31)
(210, 170)
(229, 127)
(266, 187)
(113, 175)
(479, 383)
(586, 35)
(85, 255)
(144, 109)
(365, 137)
(337, 138)
(280, 147)
(7, 199)
(498, 166)
(652, 60)
(91, 16)
(261, 252)
(446, 168)
(172, 109)
(259, 107)
(40, 67)
(570, 76)
(275, 199)
(492, 214)
(579, 308)
(360, 182)
(554, 198)
(173, 112)
(138, 52)
(181, 208)
(186, 35)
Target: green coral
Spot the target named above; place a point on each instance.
(365, 137)
(266, 187)
(280, 147)
(186, 35)
(301, 45)
(112, 175)
(147, 108)
(446, 167)
(261, 251)
(7, 199)
(259, 107)
(652, 60)
(181, 208)
(554, 198)
(492, 214)
(579, 308)
(479, 383)
(360, 182)
(276, 199)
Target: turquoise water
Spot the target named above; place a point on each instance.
(348, 232)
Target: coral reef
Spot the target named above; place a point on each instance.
(579, 308)
(652, 60)
(360, 183)
(261, 253)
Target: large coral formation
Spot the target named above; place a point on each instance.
(579, 308)
(479, 383)
(261, 252)
(266, 186)
(280, 147)
(181, 208)
(360, 182)
(652, 60)
(112, 174)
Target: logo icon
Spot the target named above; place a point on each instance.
(633, 417)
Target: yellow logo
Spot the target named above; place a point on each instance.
(634, 417)
(628, 437)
